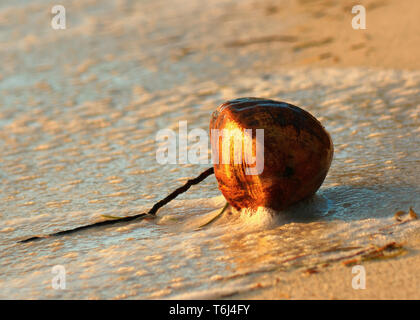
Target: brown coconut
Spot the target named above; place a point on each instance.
(297, 153)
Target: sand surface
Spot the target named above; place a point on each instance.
(79, 112)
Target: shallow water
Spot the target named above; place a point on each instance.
(77, 140)
(59, 173)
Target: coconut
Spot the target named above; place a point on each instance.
(268, 153)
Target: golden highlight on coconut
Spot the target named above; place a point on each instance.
(238, 147)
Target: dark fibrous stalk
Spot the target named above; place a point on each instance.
(151, 213)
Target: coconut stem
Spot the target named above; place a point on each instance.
(152, 212)
(215, 217)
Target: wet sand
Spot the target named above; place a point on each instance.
(80, 108)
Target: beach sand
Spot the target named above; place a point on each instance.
(80, 108)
